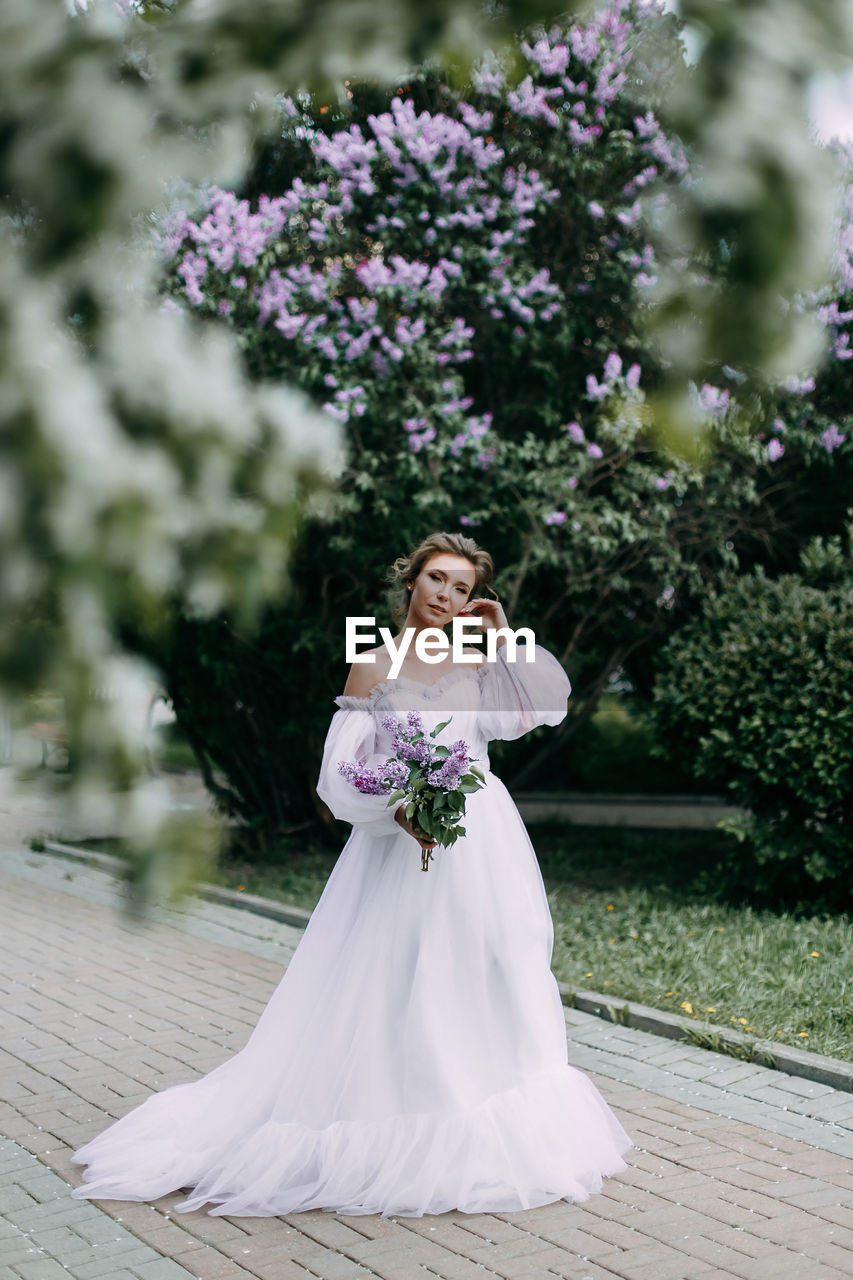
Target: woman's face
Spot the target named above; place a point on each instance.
(440, 590)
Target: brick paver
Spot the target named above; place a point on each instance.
(99, 1010)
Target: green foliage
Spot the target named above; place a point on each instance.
(754, 695)
(614, 752)
(142, 470)
(600, 536)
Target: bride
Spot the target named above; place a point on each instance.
(413, 1058)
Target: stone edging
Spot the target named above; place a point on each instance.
(782, 1057)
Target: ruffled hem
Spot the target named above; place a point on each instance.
(552, 1138)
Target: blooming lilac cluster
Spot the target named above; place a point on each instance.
(436, 197)
(711, 400)
(371, 782)
(612, 377)
(443, 773)
(449, 773)
(656, 144)
(834, 318)
(832, 438)
(474, 430)
(645, 266)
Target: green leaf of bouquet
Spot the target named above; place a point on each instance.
(467, 787)
(477, 773)
(438, 728)
(410, 809)
(441, 753)
(396, 795)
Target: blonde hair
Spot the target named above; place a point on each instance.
(407, 568)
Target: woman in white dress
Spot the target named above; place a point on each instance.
(413, 1057)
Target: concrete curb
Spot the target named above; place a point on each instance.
(781, 1057)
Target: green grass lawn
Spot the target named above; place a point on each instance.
(630, 922)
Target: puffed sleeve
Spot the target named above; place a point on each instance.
(517, 696)
(351, 736)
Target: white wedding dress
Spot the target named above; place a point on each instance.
(413, 1057)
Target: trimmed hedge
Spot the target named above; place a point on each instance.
(755, 696)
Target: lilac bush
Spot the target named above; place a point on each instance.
(460, 278)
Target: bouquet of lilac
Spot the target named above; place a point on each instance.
(432, 780)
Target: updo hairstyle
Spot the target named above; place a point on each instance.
(406, 568)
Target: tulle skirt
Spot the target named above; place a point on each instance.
(411, 1060)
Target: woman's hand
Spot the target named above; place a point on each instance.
(490, 612)
(425, 841)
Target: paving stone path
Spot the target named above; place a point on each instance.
(739, 1170)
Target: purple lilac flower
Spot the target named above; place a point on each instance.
(799, 386)
(419, 751)
(448, 772)
(841, 349)
(488, 79)
(192, 271)
(476, 121)
(363, 779)
(552, 61)
(712, 399)
(531, 101)
(556, 517)
(594, 451)
(596, 390)
(832, 438)
(417, 442)
(775, 449)
(632, 377)
(630, 217)
(446, 778)
(612, 367)
(576, 434)
(396, 774)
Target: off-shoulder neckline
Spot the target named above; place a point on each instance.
(423, 686)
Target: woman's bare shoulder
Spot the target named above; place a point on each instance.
(364, 675)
